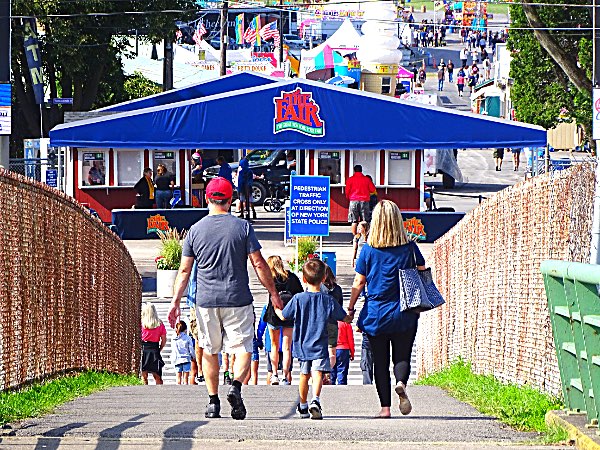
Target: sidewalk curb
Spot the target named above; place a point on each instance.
(582, 438)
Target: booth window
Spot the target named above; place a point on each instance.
(369, 160)
(330, 164)
(400, 168)
(169, 160)
(386, 85)
(94, 170)
(129, 167)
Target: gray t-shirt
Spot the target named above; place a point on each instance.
(220, 244)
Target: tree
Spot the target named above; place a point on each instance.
(552, 68)
(81, 53)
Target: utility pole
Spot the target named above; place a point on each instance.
(168, 63)
(281, 34)
(595, 247)
(224, 38)
(4, 70)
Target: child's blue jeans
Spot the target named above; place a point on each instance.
(339, 374)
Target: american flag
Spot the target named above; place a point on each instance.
(270, 31)
(250, 33)
(200, 31)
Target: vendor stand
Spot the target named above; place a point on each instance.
(328, 126)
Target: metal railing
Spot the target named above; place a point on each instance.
(574, 306)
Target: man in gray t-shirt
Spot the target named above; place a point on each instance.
(221, 244)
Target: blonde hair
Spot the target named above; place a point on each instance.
(276, 265)
(150, 318)
(387, 227)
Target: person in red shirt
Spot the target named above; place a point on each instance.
(344, 354)
(358, 191)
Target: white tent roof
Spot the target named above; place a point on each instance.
(345, 36)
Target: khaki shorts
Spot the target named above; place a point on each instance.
(226, 329)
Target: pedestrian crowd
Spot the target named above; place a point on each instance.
(304, 321)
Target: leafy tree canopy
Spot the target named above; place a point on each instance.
(551, 68)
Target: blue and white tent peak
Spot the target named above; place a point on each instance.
(297, 114)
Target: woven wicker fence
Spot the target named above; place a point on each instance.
(488, 269)
(69, 291)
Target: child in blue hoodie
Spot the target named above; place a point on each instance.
(183, 353)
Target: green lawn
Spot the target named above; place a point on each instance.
(521, 407)
(42, 398)
(494, 8)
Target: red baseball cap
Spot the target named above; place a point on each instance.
(219, 189)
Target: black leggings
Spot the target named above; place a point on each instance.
(402, 344)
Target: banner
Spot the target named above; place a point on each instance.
(34, 59)
(239, 29)
(5, 108)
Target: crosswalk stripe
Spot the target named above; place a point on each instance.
(260, 299)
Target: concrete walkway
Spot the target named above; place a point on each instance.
(172, 417)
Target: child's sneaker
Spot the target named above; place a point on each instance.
(226, 378)
(274, 380)
(315, 410)
(405, 406)
(303, 412)
(285, 382)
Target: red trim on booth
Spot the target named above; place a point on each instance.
(146, 158)
(111, 166)
(347, 168)
(311, 162)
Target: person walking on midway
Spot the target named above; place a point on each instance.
(387, 250)
(311, 311)
(183, 353)
(450, 69)
(221, 244)
(154, 338)
(358, 191)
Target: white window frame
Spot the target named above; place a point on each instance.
(107, 165)
(413, 165)
(177, 168)
(116, 165)
(376, 176)
(315, 165)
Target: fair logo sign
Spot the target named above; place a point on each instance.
(157, 223)
(297, 111)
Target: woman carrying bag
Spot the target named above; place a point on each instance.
(387, 251)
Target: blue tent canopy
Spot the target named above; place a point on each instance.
(297, 114)
(227, 83)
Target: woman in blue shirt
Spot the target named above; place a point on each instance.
(387, 250)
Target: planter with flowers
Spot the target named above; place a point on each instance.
(168, 261)
(307, 247)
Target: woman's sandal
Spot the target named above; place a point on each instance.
(379, 416)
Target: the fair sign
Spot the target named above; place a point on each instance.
(5, 112)
(298, 111)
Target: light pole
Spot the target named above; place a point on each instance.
(4, 70)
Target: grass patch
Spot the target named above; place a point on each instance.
(521, 407)
(41, 398)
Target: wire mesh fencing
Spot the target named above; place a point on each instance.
(70, 293)
(488, 269)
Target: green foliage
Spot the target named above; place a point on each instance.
(542, 93)
(169, 256)
(138, 86)
(521, 407)
(307, 245)
(42, 398)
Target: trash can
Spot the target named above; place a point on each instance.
(330, 259)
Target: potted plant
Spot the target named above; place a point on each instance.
(168, 261)
(307, 246)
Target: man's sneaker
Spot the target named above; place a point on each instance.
(405, 406)
(226, 378)
(234, 397)
(213, 411)
(303, 412)
(274, 380)
(200, 379)
(315, 410)
(285, 382)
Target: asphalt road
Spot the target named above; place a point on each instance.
(172, 417)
